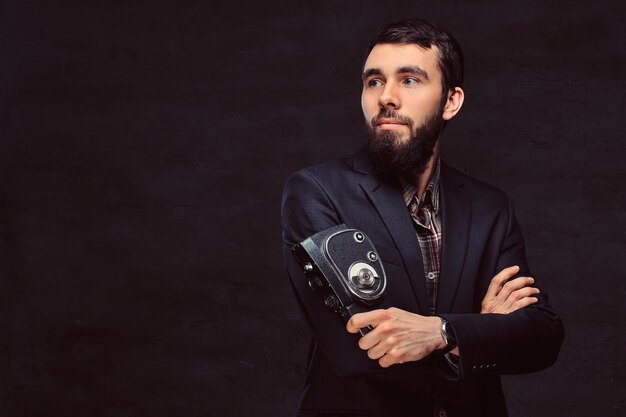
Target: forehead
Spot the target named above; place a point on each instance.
(388, 57)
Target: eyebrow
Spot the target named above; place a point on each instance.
(409, 69)
(369, 72)
(413, 69)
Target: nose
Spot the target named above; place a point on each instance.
(389, 97)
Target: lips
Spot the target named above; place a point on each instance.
(389, 122)
(389, 119)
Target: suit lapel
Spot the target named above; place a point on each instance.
(456, 219)
(386, 196)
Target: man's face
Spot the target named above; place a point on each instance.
(401, 102)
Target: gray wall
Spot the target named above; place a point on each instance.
(144, 146)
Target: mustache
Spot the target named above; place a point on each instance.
(391, 114)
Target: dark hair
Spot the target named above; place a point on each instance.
(426, 34)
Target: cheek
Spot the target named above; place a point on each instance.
(363, 106)
(422, 110)
(369, 106)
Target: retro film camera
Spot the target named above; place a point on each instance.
(343, 268)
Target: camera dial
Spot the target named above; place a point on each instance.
(364, 278)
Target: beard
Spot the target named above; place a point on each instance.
(393, 155)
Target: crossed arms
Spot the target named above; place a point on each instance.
(515, 330)
(400, 336)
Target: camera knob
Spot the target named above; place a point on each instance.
(315, 282)
(359, 237)
(331, 302)
(365, 277)
(308, 267)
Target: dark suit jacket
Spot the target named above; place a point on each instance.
(480, 237)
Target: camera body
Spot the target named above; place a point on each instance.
(342, 266)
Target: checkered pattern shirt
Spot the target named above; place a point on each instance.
(427, 221)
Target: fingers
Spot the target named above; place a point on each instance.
(376, 342)
(512, 286)
(389, 359)
(381, 343)
(372, 338)
(499, 279)
(400, 353)
(391, 356)
(377, 350)
(524, 302)
(509, 295)
(369, 318)
(523, 293)
(518, 299)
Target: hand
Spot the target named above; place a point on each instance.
(505, 297)
(398, 336)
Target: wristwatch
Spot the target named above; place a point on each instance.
(448, 336)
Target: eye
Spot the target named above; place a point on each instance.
(411, 81)
(374, 82)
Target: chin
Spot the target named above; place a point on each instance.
(398, 137)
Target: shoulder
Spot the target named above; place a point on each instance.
(329, 176)
(311, 198)
(326, 170)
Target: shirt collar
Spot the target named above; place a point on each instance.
(431, 194)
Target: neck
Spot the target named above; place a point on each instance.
(420, 179)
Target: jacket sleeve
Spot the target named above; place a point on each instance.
(306, 210)
(526, 340)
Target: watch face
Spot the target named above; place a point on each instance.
(447, 328)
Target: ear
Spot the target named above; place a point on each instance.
(454, 103)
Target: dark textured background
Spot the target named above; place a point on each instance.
(144, 145)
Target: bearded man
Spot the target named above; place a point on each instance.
(460, 308)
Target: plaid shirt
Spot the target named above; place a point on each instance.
(427, 221)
